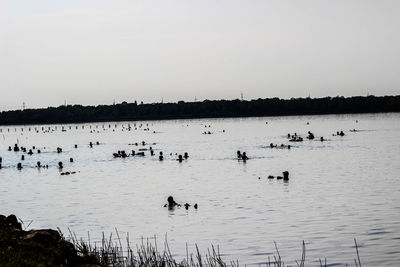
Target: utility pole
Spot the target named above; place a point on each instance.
(241, 95)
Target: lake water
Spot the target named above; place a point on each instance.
(344, 188)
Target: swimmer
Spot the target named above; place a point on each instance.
(180, 159)
(171, 203)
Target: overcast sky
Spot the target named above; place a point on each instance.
(91, 52)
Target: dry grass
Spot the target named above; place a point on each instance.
(112, 253)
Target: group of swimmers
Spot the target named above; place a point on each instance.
(294, 138)
(30, 152)
(122, 154)
(172, 204)
(271, 145)
(285, 176)
(310, 136)
(341, 133)
(241, 156)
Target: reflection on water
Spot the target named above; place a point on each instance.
(343, 188)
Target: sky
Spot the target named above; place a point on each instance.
(93, 52)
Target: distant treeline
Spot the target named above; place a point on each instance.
(205, 109)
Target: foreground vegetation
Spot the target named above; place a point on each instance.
(205, 109)
(48, 247)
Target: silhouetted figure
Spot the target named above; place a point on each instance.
(180, 159)
(97, 143)
(38, 164)
(38, 151)
(76, 146)
(288, 135)
(143, 143)
(244, 156)
(310, 135)
(151, 152)
(30, 152)
(22, 157)
(123, 154)
(271, 177)
(239, 155)
(91, 144)
(16, 148)
(186, 155)
(19, 165)
(161, 157)
(322, 139)
(341, 133)
(186, 205)
(171, 203)
(71, 160)
(60, 165)
(133, 152)
(9, 148)
(288, 146)
(271, 145)
(195, 206)
(286, 176)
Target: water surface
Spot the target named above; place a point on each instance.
(341, 189)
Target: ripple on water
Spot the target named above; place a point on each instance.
(341, 189)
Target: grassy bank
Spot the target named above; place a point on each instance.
(115, 253)
(47, 247)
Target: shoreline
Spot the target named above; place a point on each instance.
(47, 247)
(207, 109)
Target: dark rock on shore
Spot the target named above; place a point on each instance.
(45, 247)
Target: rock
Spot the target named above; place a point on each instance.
(47, 237)
(10, 221)
(45, 247)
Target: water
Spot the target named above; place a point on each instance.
(344, 188)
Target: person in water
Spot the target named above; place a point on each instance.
(180, 159)
(171, 203)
